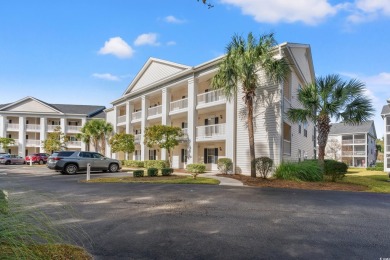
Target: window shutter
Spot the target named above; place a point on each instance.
(216, 120)
(205, 155)
(216, 154)
(182, 155)
(155, 154)
(206, 121)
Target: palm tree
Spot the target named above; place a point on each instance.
(105, 132)
(97, 131)
(331, 97)
(241, 68)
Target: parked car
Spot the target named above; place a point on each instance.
(71, 162)
(39, 158)
(11, 159)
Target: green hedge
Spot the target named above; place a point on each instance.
(379, 166)
(263, 166)
(302, 171)
(131, 163)
(196, 168)
(152, 172)
(334, 170)
(159, 164)
(138, 173)
(166, 171)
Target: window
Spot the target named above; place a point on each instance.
(299, 128)
(85, 155)
(286, 139)
(184, 125)
(210, 155)
(97, 155)
(26, 136)
(184, 155)
(299, 155)
(10, 121)
(305, 124)
(152, 154)
(27, 122)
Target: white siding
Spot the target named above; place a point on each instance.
(300, 56)
(30, 105)
(155, 72)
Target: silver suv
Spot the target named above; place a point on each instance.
(71, 162)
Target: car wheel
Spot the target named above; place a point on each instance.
(40, 162)
(71, 168)
(113, 167)
(8, 162)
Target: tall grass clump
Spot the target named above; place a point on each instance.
(302, 171)
(27, 232)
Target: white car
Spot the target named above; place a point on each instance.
(11, 159)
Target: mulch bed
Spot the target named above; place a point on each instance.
(276, 183)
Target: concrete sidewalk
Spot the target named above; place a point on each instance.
(213, 175)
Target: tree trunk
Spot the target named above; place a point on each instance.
(323, 132)
(249, 103)
(169, 158)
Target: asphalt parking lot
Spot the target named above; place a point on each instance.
(156, 221)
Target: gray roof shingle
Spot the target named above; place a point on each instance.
(386, 110)
(341, 128)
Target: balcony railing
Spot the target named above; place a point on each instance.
(74, 143)
(347, 141)
(73, 128)
(179, 104)
(136, 115)
(347, 153)
(12, 126)
(286, 147)
(360, 141)
(51, 128)
(359, 153)
(137, 138)
(33, 127)
(154, 111)
(185, 134)
(209, 131)
(32, 142)
(388, 128)
(121, 119)
(209, 97)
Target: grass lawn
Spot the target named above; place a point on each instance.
(159, 179)
(376, 181)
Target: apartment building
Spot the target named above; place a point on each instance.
(386, 118)
(29, 120)
(354, 145)
(168, 93)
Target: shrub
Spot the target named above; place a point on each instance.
(263, 166)
(225, 165)
(152, 172)
(159, 164)
(335, 170)
(138, 173)
(166, 171)
(196, 168)
(379, 166)
(303, 171)
(131, 163)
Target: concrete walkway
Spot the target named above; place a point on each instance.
(223, 180)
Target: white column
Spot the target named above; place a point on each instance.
(22, 136)
(385, 152)
(129, 109)
(165, 119)
(43, 133)
(63, 125)
(230, 128)
(144, 124)
(192, 121)
(3, 127)
(83, 145)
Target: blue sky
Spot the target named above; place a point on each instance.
(87, 52)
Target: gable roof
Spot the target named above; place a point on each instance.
(341, 128)
(154, 70)
(386, 109)
(88, 110)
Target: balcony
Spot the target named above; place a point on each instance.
(73, 143)
(12, 127)
(121, 119)
(210, 98)
(178, 106)
(388, 128)
(360, 153)
(286, 147)
(33, 127)
(16, 143)
(51, 128)
(32, 142)
(210, 132)
(73, 128)
(154, 111)
(360, 141)
(136, 116)
(345, 153)
(347, 141)
(184, 137)
(137, 138)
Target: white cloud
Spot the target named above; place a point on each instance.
(171, 43)
(106, 76)
(368, 10)
(307, 11)
(146, 39)
(172, 19)
(117, 47)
